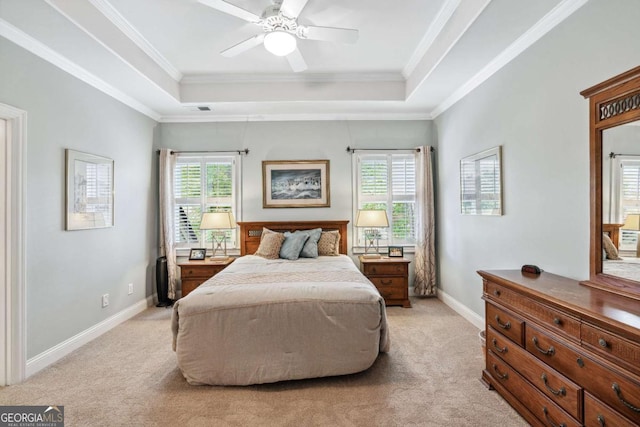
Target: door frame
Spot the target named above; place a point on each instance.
(13, 282)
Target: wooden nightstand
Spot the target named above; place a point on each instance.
(390, 276)
(195, 273)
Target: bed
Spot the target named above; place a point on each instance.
(267, 320)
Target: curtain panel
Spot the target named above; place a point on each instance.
(424, 283)
(167, 232)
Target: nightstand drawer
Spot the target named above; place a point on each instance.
(389, 287)
(194, 273)
(199, 271)
(384, 269)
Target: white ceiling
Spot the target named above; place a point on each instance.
(413, 58)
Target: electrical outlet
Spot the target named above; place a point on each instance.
(130, 288)
(105, 300)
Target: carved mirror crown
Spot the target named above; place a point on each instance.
(612, 103)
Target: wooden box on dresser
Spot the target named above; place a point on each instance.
(562, 354)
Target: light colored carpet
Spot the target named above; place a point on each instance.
(129, 377)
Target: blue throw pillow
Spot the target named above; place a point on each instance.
(310, 249)
(292, 245)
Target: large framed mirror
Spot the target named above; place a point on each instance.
(614, 122)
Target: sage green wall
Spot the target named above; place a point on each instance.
(533, 108)
(68, 271)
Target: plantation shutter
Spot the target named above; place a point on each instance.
(630, 188)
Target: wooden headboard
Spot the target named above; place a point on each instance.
(250, 232)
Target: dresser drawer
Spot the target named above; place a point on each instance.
(611, 346)
(622, 392)
(545, 316)
(507, 324)
(542, 407)
(385, 269)
(599, 414)
(554, 385)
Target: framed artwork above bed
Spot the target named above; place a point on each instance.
(295, 184)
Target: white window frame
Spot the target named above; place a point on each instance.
(183, 248)
(628, 238)
(358, 245)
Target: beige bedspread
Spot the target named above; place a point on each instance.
(262, 321)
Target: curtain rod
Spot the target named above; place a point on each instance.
(353, 150)
(613, 155)
(245, 151)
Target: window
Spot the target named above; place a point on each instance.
(204, 184)
(629, 200)
(387, 181)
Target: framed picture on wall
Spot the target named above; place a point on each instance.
(295, 184)
(481, 183)
(89, 191)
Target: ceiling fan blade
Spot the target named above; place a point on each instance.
(292, 8)
(231, 9)
(243, 46)
(344, 35)
(296, 61)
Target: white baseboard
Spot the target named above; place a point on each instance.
(57, 352)
(471, 316)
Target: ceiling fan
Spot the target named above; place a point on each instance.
(279, 23)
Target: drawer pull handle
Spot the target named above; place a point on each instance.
(503, 325)
(603, 343)
(616, 388)
(560, 392)
(386, 282)
(496, 292)
(549, 352)
(504, 376)
(546, 416)
(498, 349)
(557, 321)
(580, 362)
(601, 420)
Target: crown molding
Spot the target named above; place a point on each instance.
(558, 14)
(294, 117)
(444, 14)
(27, 42)
(138, 39)
(190, 79)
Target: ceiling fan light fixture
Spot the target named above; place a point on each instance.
(280, 43)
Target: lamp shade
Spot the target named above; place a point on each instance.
(217, 220)
(280, 43)
(632, 222)
(372, 218)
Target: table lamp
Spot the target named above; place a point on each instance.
(371, 220)
(219, 222)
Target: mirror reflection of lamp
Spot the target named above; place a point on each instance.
(632, 222)
(371, 220)
(219, 222)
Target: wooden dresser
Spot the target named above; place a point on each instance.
(560, 353)
(391, 278)
(195, 273)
